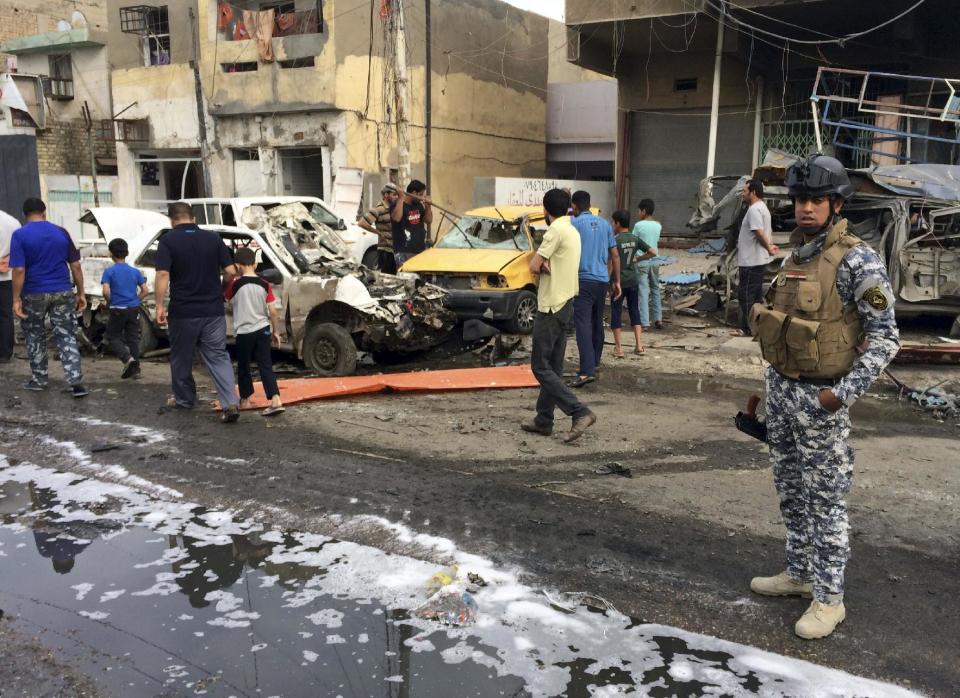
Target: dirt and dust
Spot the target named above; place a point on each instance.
(676, 543)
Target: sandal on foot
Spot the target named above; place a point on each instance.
(273, 411)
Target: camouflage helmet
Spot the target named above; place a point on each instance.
(819, 175)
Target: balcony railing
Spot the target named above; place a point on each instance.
(58, 88)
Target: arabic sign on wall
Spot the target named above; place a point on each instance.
(524, 191)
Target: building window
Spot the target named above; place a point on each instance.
(156, 36)
(685, 85)
(290, 17)
(307, 62)
(247, 67)
(60, 83)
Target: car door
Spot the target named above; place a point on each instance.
(930, 262)
(266, 261)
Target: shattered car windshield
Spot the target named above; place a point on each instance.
(485, 233)
(322, 215)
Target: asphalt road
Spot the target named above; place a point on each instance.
(657, 546)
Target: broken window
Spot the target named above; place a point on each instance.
(288, 17)
(307, 62)
(60, 83)
(245, 67)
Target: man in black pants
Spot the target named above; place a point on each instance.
(557, 261)
(755, 250)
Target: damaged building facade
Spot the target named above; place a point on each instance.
(250, 97)
(56, 138)
(675, 61)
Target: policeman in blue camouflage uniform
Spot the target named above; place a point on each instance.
(45, 267)
(828, 330)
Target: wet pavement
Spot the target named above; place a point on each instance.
(156, 596)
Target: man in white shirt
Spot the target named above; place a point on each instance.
(755, 250)
(7, 225)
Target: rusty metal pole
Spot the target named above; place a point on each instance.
(88, 122)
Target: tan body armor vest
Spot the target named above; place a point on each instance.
(808, 332)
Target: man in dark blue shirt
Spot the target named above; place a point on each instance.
(43, 259)
(599, 275)
(189, 261)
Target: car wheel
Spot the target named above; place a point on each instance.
(371, 259)
(328, 350)
(523, 314)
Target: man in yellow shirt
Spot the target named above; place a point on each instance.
(557, 261)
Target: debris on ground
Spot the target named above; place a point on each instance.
(451, 602)
(613, 468)
(947, 352)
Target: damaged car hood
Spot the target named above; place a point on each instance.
(922, 181)
(320, 260)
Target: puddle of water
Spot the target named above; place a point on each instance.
(150, 596)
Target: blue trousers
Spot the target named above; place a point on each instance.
(632, 297)
(588, 309)
(650, 295)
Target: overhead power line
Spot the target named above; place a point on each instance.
(721, 6)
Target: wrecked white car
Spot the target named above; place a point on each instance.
(331, 307)
(910, 214)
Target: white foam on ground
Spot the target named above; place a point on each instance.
(148, 436)
(526, 634)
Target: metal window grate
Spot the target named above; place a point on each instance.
(144, 20)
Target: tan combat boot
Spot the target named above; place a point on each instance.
(820, 620)
(781, 585)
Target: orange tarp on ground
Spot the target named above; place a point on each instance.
(303, 389)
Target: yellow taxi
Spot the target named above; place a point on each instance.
(483, 262)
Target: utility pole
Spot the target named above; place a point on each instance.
(88, 123)
(715, 102)
(402, 90)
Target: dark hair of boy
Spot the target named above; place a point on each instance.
(756, 186)
(581, 199)
(33, 206)
(118, 248)
(245, 257)
(556, 202)
(416, 187)
(647, 206)
(621, 217)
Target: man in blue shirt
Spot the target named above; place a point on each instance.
(189, 261)
(42, 260)
(124, 287)
(599, 272)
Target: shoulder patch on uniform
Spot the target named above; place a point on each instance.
(876, 298)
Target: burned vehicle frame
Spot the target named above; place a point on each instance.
(910, 214)
(331, 307)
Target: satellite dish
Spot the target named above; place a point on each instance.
(78, 20)
(64, 26)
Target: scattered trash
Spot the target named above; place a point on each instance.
(450, 607)
(569, 600)
(683, 278)
(709, 247)
(613, 469)
(476, 580)
(935, 399)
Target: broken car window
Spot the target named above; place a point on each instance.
(485, 233)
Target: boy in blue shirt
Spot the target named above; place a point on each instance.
(123, 288)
